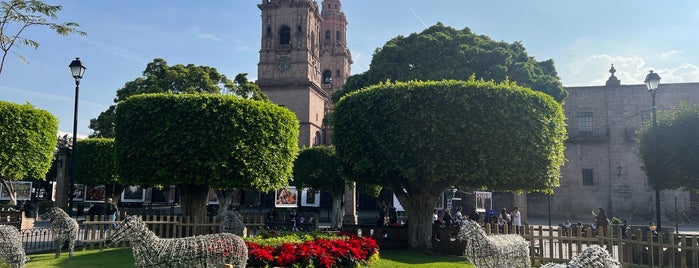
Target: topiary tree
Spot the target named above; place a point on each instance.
(420, 138)
(97, 165)
(319, 169)
(442, 52)
(27, 142)
(669, 150)
(198, 141)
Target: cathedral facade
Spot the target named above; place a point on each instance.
(304, 59)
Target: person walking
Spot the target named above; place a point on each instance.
(517, 220)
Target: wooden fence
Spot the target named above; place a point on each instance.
(636, 247)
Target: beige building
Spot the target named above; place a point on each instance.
(603, 168)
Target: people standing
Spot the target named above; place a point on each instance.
(392, 215)
(111, 209)
(292, 219)
(474, 216)
(448, 221)
(601, 220)
(517, 220)
(382, 216)
(459, 216)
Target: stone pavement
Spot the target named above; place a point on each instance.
(691, 228)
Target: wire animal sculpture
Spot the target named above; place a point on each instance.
(214, 250)
(593, 257)
(230, 223)
(484, 250)
(11, 250)
(63, 229)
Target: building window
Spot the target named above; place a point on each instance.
(269, 31)
(284, 35)
(587, 178)
(584, 123)
(327, 35)
(337, 36)
(299, 30)
(327, 77)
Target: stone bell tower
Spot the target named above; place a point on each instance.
(289, 68)
(304, 59)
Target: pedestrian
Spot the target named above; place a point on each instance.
(392, 215)
(474, 216)
(111, 209)
(517, 220)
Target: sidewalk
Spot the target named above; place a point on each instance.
(689, 229)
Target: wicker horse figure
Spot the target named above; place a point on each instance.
(11, 250)
(483, 250)
(214, 250)
(63, 229)
(231, 223)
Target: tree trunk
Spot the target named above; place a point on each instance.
(193, 202)
(225, 199)
(419, 210)
(10, 188)
(338, 212)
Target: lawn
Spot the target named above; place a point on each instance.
(118, 258)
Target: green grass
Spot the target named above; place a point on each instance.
(400, 258)
(122, 257)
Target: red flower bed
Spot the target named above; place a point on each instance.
(346, 250)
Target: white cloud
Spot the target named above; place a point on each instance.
(671, 53)
(208, 37)
(594, 71)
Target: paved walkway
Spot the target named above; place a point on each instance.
(688, 228)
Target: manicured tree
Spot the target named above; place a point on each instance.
(159, 77)
(96, 165)
(197, 141)
(318, 168)
(420, 138)
(19, 15)
(669, 151)
(441, 52)
(27, 142)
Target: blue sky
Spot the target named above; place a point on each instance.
(582, 37)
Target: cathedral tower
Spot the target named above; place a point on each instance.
(298, 69)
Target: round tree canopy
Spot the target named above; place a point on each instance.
(425, 136)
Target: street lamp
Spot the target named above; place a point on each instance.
(77, 70)
(652, 81)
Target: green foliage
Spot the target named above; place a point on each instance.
(276, 239)
(421, 135)
(19, 15)
(318, 168)
(159, 77)
(28, 138)
(27, 143)
(442, 52)
(670, 151)
(616, 220)
(96, 162)
(205, 139)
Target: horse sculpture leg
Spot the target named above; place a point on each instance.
(58, 244)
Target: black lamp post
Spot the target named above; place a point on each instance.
(77, 70)
(652, 81)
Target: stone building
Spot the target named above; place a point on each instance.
(603, 168)
(304, 59)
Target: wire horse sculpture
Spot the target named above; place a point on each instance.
(63, 229)
(11, 250)
(483, 250)
(231, 223)
(593, 256)
(214, 250)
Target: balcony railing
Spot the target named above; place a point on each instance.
(599, 134)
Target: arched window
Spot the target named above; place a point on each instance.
(284, 35)
(327, 77)
(317, 138)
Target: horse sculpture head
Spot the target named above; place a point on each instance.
(126, 228)
(55, 213)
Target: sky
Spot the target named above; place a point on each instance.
(582, 37)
